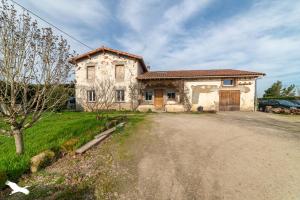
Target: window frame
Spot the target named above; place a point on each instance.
(118, 95)
(171, 92)
(87, 72)
(92, 94)
(145, 95)
(230, 79)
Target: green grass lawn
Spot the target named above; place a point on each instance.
(49, 133)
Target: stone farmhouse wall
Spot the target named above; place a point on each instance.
(201, 92)
(105, 65)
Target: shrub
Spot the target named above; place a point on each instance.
(69, 145)
(111, 124)
(41, 160)
(114, 121)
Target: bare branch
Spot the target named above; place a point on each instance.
(34, 68)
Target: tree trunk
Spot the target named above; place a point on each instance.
(19, 141)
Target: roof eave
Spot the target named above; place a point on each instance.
(197, 77)
(87, 55)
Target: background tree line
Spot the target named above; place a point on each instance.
(278, 91)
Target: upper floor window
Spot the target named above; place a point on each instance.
(228, 82)
(148, 95)
(120, 73)
(120, 95)
(91, 73)
(171, 95)
(91, 96)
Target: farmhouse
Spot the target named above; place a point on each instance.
(118, 74)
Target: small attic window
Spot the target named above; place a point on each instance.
(228, 82)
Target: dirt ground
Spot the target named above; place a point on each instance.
(230, 155)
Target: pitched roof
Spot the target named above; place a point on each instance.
(197, 74)
(106, 49)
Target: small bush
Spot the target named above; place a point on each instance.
(114, 121)
(149, 110)
(69, 145)
(41, 160)
(111, 124)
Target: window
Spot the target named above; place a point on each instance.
(120, 95)
(120, 73)
(171, 95)
(90, 73)
(91, 96)
(228, 82)
(148, 95)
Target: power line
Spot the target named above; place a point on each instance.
(36, 15)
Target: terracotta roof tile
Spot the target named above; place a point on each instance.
(197, 74)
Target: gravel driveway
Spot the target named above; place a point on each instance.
(230, 155)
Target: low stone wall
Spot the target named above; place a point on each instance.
(115, 106)
(145, 108)
(174, 108)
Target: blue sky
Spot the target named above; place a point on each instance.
(255, 35)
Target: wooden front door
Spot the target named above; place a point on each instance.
(229, 100)
(158, 99)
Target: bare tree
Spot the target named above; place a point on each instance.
(34, 65)
(135, 91)
(102, 97)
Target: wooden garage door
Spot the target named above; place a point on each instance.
(229, 100)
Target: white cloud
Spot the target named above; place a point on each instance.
(150, 34)
(80, 18)
(265, 38)
(91, 13)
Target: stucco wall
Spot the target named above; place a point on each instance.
(105, 69)
(247, 99)
(208, 93)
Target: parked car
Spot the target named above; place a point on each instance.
(296, 101)
(276, 103)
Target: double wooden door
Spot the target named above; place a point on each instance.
(229, 100)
